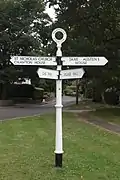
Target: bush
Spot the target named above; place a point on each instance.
(20, 91)
(73, 88)
(38, 94)
(97, 97)
(111, 98)
(69, 92)
(47, 95)
(89, 93)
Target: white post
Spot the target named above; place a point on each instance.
(59, 143)
(59, 140)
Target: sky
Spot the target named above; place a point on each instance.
(51, 12)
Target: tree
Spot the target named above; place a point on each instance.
(19, 35)
(93, 30)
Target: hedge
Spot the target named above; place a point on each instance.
(111, 98)
(69, 92)
(38, 93)
(97, 96)
(89, 93)
(20, 90)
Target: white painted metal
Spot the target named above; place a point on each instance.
(72, 73)
(47, 73)
(33, 61)
(84, 61)
(59, 141)
(59, 41)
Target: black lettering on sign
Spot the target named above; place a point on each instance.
(39, 62)
(21, 62)
(30, 58)
(27, 58)
(91, 59)
(21, 58)
(67, 74)
(28, 62)
(41, 59)
(81, 62)
(34, 59)
(47, 59)
(49, 74)
(75, 73)
(16, 62)
(73, 59)
(16, 58)
(44, 73)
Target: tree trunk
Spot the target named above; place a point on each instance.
(77, 91)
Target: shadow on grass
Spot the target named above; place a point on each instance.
(97, 111)
(86, 104)
(107, 112)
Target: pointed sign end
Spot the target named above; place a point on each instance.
(105, 61)
(12, 60)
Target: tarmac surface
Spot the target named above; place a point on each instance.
(23, 110)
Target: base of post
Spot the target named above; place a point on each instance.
(58, 160)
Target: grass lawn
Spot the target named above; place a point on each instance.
(102, 111)
(27, 150)
(86, 104)
(108, 114)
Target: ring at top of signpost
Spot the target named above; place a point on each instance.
(59, 41)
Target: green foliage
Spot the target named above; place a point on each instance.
(24, 91)
(111, 98)
(70, 91)
(23, 31)
(89, 93)
(93, 29)
(38, 93)
(20, 91)
(46, 95)
(97, 96)
(47, 85)
(72, 87)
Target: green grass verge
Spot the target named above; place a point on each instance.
(108, 114)
(86, 104)
(27, 150)
(101, 111)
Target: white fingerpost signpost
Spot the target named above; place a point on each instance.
(59, 75)
(59, 141)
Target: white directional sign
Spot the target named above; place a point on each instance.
(72, 73)
(33, 61)
(84, 61)
(47, 73)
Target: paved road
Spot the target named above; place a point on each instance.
(30, 110)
